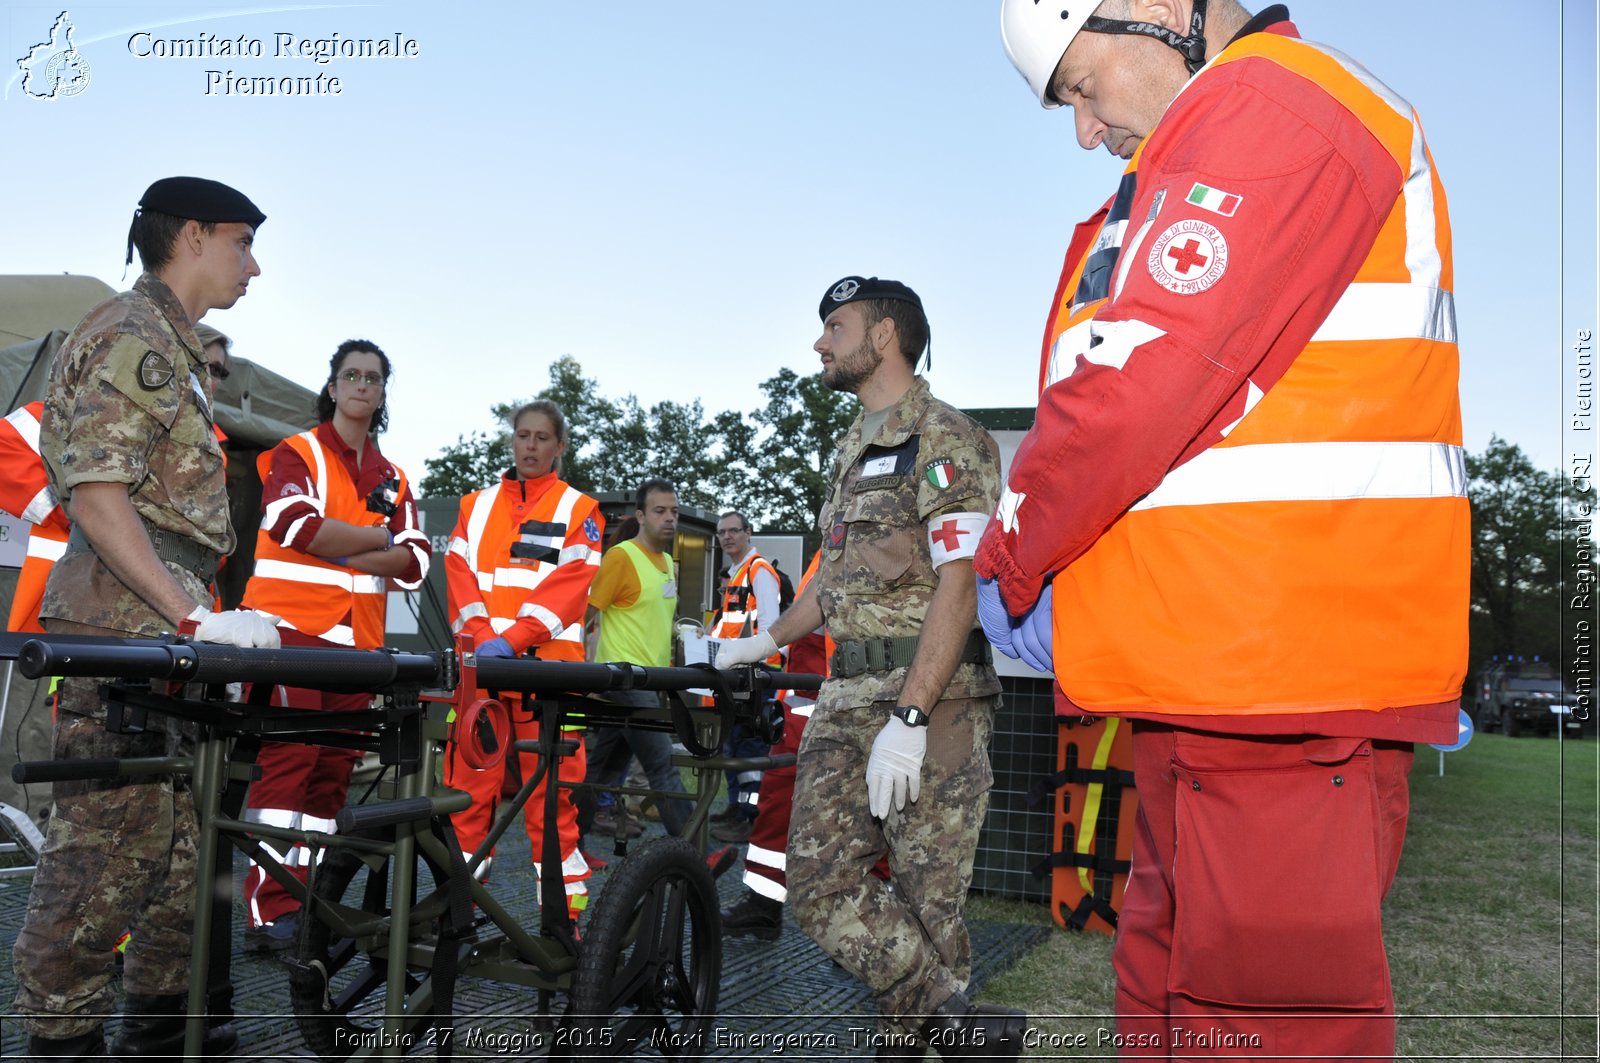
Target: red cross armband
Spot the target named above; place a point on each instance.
(953, 536)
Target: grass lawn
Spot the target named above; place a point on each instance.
(1491, 925)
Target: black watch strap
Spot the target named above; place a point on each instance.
(912, 715)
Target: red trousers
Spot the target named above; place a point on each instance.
(765, 859)
(472, 825)
(301, 786)
(1251, 926)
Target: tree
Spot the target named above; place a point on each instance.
(1519, 538)
(801, 424)
(475, 461)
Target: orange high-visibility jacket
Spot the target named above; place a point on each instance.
(315, 595)
(521, 559)
(26, 494)
(740, 615)
(1307, 551)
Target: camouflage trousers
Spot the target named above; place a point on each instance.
(905, 938)
(118, 855)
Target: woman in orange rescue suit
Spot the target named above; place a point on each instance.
(521, 559)
(338, 523)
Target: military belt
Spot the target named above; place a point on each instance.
(178, 549)
(860, 656)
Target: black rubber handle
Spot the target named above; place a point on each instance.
(355, 818)
(32, 771)
(206, 662)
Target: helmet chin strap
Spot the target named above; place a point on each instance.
(1192, 47)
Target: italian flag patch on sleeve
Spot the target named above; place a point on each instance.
(1214, 199)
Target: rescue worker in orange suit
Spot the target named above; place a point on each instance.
(750, 603)
(26, 494)
(338, 522)
(759, 913)
(1240, 517)
(521, 560)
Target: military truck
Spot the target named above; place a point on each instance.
(1525, 697)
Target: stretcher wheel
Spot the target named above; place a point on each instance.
(332, 978)
(650, 960)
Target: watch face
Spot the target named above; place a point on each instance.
(912, 715)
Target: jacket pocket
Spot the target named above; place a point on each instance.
(1286, 862)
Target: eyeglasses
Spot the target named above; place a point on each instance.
(731, 531)
(218, 371)
(356, 376)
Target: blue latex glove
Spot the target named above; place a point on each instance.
(1027, 638)
(1034, 633)
(994, 617)
(496, 648)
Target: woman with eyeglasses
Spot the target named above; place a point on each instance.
(337, 524)
(521, 560)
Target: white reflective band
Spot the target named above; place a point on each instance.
(1118, 341)
(326, 826)
(469, 611)
(478, 519)
(571, 633)
(355, 583)
(287, 818)
(802, 709)
(411, 535)
(343, 634)
(1303, 472)
(485, 582)
(458, 547)
(518, 576)
(1391, 312)
(293, 529)
(954, 536)
(551, 621)
(1064, 352)
(272, 511)
(766, 856)
(500, 624)
(39, 508)
(1252, 397)
(46, 547)
(763, 885)
(27, 426)
(1007, 511)
(582, 552)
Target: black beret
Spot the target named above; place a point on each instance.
(202, 200)
(853, 289)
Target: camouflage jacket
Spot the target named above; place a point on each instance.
(127, 404)
(876, 577)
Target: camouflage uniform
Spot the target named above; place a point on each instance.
(905, 938)
(125, 405)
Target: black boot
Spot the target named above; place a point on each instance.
(86, 1048)
(960, 1029)
(153, 1028)
(758, 916)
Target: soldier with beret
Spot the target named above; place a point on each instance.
(127, 438)
(895, 758)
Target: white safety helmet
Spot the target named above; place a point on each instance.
(1036, 34)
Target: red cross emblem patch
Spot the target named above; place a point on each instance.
(1189, 257)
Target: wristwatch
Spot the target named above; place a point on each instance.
(912, 715)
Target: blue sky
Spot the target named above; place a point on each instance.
(664, 190)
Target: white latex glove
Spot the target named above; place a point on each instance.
(895, 768)
(753, 650)
(237, 627)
